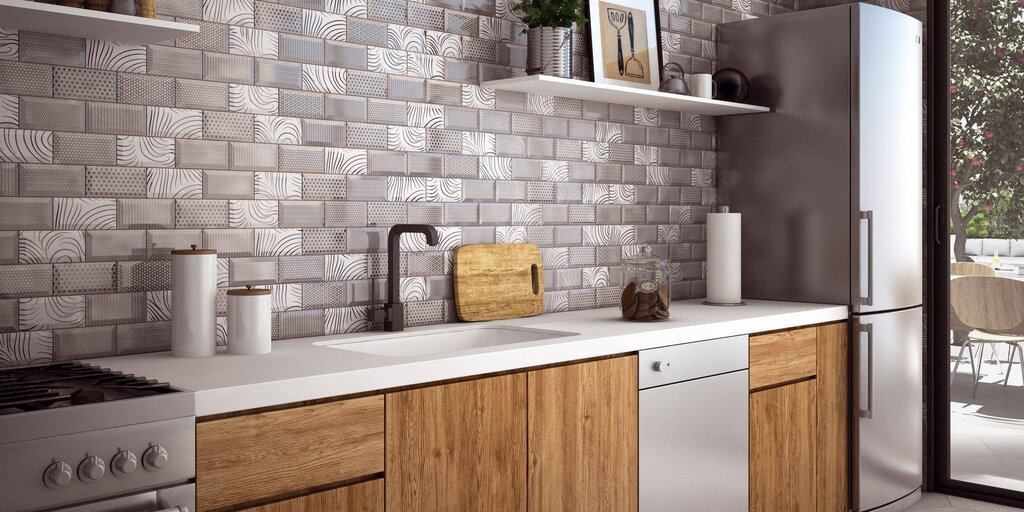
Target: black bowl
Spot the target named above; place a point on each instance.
(731, 85)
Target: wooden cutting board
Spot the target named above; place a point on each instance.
(498, 281)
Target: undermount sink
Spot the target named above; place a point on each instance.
(415, 344)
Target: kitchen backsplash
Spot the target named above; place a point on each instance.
(289, 136)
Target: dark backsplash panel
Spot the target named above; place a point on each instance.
(289, 136)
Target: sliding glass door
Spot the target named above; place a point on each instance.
(977, 381)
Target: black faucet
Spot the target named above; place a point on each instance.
(393, 314)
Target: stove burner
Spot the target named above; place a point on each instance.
(34, 388)
(87, 396)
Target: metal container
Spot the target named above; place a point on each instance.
(549, 51)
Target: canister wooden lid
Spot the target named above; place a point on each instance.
(248, 291)
(195, 251)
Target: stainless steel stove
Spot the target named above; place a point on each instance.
(75, 437)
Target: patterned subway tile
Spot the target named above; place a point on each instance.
(116, 118)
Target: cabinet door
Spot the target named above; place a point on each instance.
(458, 446)
(583, 437)
(783, 446)
(362, 497)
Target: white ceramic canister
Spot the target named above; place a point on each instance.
(193, 302)
(248, 321)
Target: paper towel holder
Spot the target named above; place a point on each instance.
(723, 209)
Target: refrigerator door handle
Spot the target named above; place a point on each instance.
(869, 216)
(865, 385)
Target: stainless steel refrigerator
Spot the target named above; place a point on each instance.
(829, 185)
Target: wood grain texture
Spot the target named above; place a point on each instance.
(495, 281)
(583, 437)
(362, 497)
(988, 303)
(781, 357)
(783, 447)
(833, 409)
(458, 447)
(269, 454)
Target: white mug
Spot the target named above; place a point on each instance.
(702, 86)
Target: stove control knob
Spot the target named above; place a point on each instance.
(91, 469)
(155, 458)
(57, 475)
(123, 463)
(660, 366)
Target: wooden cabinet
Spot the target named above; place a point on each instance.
(362, 497)
(458, 446)
(783, 431)
(249, 458)
(798, 420)
(583, 437)
(463, 446)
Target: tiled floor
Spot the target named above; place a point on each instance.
(932, 502)
(987, 431)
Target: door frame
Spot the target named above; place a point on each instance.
(936, 179)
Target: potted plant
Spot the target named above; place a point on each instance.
(549, 34)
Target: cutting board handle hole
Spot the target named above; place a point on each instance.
(535, 278)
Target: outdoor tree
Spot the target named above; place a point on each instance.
(986, 124)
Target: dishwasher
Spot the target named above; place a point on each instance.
(694, 427)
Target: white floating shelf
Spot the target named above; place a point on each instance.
(570, 88)
(78, 22)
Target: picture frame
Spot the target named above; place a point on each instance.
(625, 43)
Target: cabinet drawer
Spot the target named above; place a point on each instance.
(362, 497)
(781, 357)
(263, 455)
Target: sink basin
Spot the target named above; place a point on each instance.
(415, 344)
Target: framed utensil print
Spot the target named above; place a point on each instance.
(624, 40)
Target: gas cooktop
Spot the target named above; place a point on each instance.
(68, 384)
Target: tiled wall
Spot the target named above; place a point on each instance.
(288, 136)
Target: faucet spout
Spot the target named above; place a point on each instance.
(393, 314)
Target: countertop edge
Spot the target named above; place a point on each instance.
(351, 382)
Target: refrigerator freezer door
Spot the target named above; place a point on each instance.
(887, 400)
(788, 171)
(887, 204)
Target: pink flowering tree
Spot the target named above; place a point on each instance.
(987, 115)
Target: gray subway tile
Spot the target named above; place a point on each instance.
(84, 149)
(17, 213)
(145, 89)
(116, 118)
(176, 62)
(51, 180)
(222, 67)
(201, 154)
(52, 114)
(86, 84)
(276, 73)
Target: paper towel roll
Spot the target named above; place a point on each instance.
(724, 286)
(248, 321)
(193, 302)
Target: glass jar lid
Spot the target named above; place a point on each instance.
(646, 257)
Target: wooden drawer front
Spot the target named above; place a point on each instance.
(781, 357)
(268, 454)
(363, 497)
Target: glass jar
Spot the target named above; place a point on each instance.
(646, 293)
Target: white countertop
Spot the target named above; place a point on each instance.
(299, 370)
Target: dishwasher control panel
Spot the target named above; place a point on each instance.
(678, 363)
